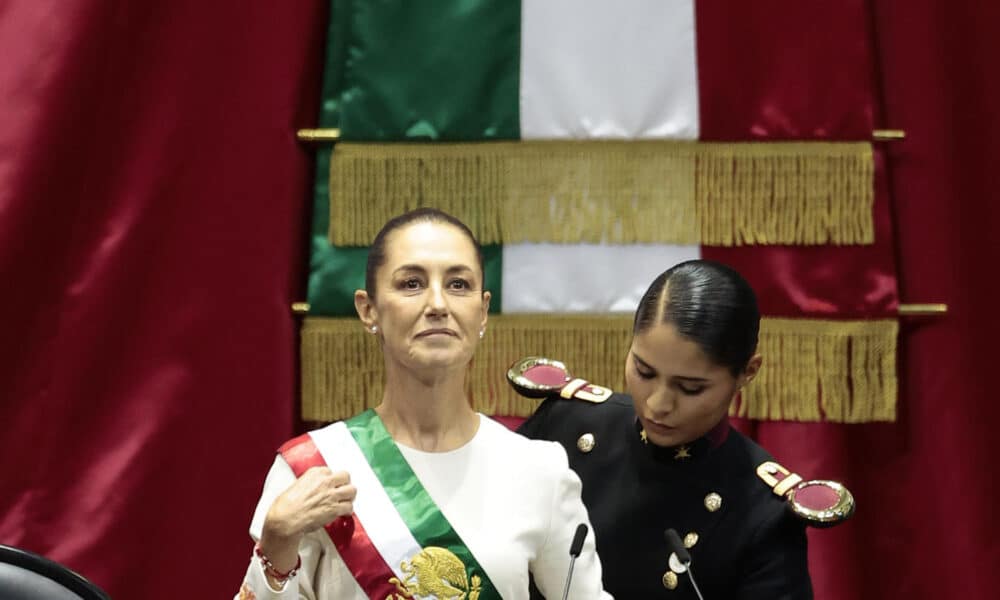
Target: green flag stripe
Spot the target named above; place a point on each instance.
(421, 515)
(493, 264)
(324, 294)
(477, 66)
(415, 69)
(337, 35)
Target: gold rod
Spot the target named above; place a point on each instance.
(302, 308)
(332, 134)
(888, 135)
(923, 310)
(318, 135)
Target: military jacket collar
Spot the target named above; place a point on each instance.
(695, 451)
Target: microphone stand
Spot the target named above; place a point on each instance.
(574, 551)
(683, 557)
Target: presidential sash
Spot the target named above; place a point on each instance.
(397, 544)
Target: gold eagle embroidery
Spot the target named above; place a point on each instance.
(246, 593)
(435, 572)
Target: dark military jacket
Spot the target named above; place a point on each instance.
(743, 542)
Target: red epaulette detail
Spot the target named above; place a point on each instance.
(538, 377)
(301, 453)
(818, 502)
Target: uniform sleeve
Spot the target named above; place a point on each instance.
(567, 511)
(300, 587)
(777, 565)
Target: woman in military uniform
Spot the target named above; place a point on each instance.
(664, 456)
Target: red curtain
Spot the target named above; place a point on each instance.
(785, 70)
(924, 527)
(153, 205)
(152, 234)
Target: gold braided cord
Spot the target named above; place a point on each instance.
(814, 370)
(620, 192)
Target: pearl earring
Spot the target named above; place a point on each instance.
(482, 332)
(374, 328)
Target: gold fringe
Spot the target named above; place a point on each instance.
(620, 192)
(835, 371)
(820, 370)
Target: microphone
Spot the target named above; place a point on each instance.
(682, 555)
(574, 551)
(677, 547)
(577, 546)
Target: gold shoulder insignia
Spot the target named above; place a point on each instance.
(818, 502)
(537, 377)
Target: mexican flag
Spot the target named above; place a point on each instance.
(593, 145)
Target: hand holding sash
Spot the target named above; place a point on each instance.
(318, 497)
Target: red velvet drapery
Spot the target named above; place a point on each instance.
(152, 206)
(152, 218)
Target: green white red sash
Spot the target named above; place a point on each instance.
(397, 544)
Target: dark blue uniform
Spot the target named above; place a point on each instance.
(743, 541)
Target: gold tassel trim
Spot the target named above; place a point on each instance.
(824, 370)
(618, 192)
(835, 371)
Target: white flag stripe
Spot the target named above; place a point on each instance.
(563, 278)
(386, 529)
(597, 69)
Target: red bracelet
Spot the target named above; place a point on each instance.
(269, 568)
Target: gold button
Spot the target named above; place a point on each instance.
(690, 539)
(713, 502)
(586, 442)
(670, 580)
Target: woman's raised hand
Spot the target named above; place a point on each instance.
(318, 497)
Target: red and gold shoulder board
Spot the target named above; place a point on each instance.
(818, 502)
(537, 377)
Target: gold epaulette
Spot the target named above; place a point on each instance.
(818, 502)
(538, 377)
